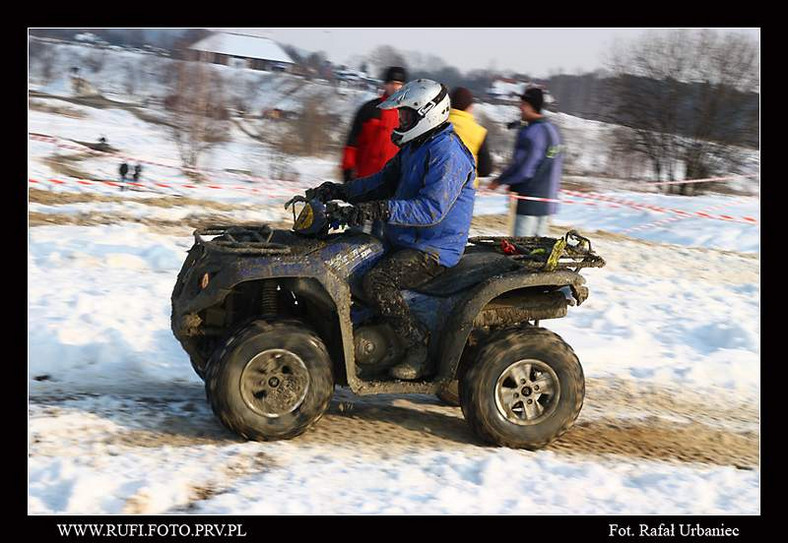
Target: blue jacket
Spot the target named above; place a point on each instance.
(536, 167)
(430, 193)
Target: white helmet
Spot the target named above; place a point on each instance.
(427, 105)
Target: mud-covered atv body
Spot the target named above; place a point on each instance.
(273, 320)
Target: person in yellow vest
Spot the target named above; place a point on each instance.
(472, 134)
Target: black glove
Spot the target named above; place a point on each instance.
(360, 213)
(348, 175)
(327, 191)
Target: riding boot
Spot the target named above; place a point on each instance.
(383, 285)
(414, 360)
(414, 364)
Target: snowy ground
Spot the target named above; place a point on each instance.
(669, 341)
(119, 423)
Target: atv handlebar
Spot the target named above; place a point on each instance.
(295, 199)
(334, 214)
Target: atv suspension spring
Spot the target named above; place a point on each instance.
(269, 299)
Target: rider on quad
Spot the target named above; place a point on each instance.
(424, 196)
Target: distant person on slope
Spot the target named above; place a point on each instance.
(137, 173)
(535, 170)
(472, 134)
(124, 170)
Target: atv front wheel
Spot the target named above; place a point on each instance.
(272, 380)
(525, 389)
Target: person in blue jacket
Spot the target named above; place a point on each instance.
(535, 170)
(424, 196)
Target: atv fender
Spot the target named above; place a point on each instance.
(460, 322)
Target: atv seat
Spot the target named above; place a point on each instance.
(476, 265)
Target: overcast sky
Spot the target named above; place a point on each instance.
(538, 52)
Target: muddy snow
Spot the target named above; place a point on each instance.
(119, 423)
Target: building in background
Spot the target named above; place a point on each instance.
(241, 51)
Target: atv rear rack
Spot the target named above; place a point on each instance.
(571, 252)
(248, 239)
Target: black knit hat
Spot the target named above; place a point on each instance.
(461, 98)
(535, 97)
(395, 73)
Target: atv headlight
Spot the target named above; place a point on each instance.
(306, 218)
(312, 220)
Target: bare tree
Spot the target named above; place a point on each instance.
(45, 57)
(164, 72)
(310, 133)
(624, 158)
(316, 61)
(197, 113)
(131, 76)
(245, 93)
(384, 56)
(686, 95)
(423, 62)
(716, 131)
(95, 60)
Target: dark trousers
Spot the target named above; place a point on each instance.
(402, 269)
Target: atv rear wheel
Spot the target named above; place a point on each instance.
(525, 389)
(272, 380)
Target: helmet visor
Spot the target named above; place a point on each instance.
(407, 119)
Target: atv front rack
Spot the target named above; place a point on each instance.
(571, 252)
(248, 239)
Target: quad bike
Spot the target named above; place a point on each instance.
(273, 319)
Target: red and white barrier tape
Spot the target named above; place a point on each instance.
(595, 199)
(659, 209)
(513, 196)
(616, 202)
(604, 200)
(669, 220)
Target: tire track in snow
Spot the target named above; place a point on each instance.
(619, 419)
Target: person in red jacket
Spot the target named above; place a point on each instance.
(369, 144)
